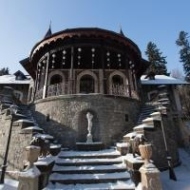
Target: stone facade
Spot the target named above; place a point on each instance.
(65, 117)
(17, 144)
(155, 137)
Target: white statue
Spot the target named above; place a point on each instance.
(89, 117)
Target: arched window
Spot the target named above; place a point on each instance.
(117, 80)
(55, 79)
(87, 84)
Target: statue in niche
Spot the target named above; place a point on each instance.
(89, 117)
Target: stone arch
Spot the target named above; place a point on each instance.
(91, 74)
(112, 75)
(82, 126)
(56, 73)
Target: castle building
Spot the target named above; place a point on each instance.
(86, 69)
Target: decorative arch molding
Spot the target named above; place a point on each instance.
(119, 73)
(56, 72)
(93, 75)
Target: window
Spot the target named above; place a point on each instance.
(56, 79)
(87, 84)
(117, 80)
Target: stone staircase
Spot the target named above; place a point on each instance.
(104, 169)
(146, 110)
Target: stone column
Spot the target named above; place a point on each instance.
(150, 178)
(104, 84)
(150, 175)
(128, 76)
(46, 76)
(71, 72)
(29, 178)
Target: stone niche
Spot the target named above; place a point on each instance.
(67, 117)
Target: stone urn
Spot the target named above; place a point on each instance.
(32, 153)
(146, 152)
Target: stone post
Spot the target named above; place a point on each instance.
(150, 175)
(29, 178)
(150, 178)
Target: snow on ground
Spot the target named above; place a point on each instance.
(9, 185)
(182, 173)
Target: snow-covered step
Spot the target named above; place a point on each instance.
(90, 169)
(103, 169)
(145, 112)
(88, 178)
(108, 153)
(88, 161)
(119, 185)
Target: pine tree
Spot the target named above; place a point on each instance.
(157, 61)
(4, 71)
(184, 52)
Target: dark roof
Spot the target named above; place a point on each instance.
(121, 32)
(48, 33)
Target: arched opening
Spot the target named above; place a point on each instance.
(117, 80)
(55, 79)
(87, 84)
(117, 85)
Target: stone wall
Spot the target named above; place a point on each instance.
(155, 137)
(17, 144)
(65, 117)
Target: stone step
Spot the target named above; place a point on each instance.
(90, 169)
(88, 161)
(103, 169)
(109, 153)
(119, 185)
(146, 110)
(88, 178)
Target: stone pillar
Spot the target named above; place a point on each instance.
(71, 72)
(29, 178)
(104, 84)
(150, 175)
(46, 76)
(150, 178)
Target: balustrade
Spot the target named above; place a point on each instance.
(62, 88)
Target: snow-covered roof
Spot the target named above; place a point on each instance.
(11, 79)
(161, 79)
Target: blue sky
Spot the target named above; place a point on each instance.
(23, 23)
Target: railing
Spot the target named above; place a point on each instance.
(121, 90)
(62, 88)
(56, 89)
